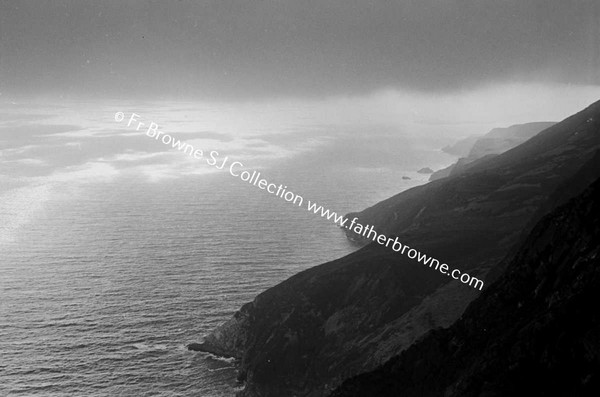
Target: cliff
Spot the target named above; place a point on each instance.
(462, 147)
(536, 331)
(321, 326)
(495, 142)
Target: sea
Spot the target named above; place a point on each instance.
(117, 251)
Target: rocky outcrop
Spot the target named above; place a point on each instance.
(321, 326)
(536, 331)
(425, 170)
(495, 142)
(229, 340)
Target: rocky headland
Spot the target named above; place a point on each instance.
(495, 142)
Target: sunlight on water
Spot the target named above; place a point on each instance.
(116, 253)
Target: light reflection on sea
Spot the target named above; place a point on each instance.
(114, 254)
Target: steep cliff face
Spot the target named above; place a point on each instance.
(321, 326)
(495, 142)
(536, 331)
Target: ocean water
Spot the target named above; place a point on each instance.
(116, 252)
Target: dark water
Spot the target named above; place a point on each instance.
(104, 280)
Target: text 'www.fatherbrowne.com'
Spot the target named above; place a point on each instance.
(237, 169)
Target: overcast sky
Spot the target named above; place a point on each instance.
(302, 48)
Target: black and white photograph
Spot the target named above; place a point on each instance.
(299, 198)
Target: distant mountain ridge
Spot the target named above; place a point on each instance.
(462, 147)
(323, 325)
(497, 141)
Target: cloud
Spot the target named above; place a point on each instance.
(275, 48)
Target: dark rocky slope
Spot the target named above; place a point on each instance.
(495, 142)
(307, 334)
(534, 332)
